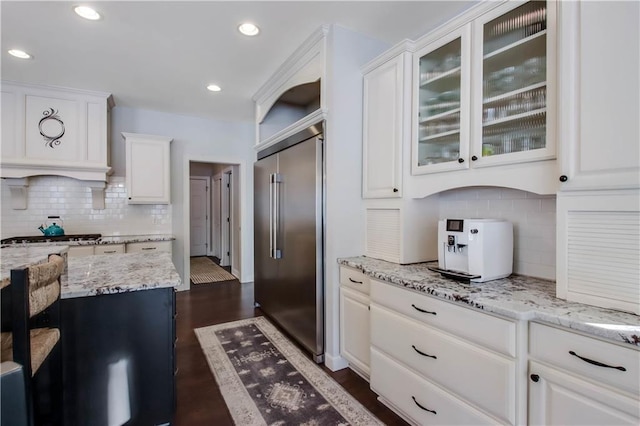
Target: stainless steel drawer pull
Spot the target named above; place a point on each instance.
(422, 310)
(599, 364)
(148, 248)
(422, 353)
(421, 406)
(109, 251)
(354, 281)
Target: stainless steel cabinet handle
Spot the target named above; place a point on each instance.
(148, 248)
(599, 364)
(109, 251)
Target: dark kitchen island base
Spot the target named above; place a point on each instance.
(119, 358)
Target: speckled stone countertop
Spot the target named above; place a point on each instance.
(119, 273)
(113, 239)
(518, 297)
(18, 257)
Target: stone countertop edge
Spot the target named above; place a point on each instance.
(125, 239)
(119, 273)
(24, 256)
(518, 297)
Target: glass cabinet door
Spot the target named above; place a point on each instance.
(441, 126)
(514, 87)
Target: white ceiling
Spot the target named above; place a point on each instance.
(161, 55)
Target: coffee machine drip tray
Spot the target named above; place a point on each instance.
(454, 275)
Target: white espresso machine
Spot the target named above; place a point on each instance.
(475, 250)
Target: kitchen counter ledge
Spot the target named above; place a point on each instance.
(119, 273)
(19, 257)
(518, 297)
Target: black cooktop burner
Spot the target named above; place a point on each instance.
(44, 239)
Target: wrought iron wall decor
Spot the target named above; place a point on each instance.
(51, 140)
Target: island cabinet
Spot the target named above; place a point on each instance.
(438, 363)
(484, 101)
(119, 358)
(354, 319)
(578, 380)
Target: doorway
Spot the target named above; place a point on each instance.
(200, 202)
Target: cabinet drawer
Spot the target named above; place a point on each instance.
(493, 332)
(149, 247)
(109, 249)
(354, 279)
(463, 368)
(80, 251)
(554, 345)
(355, 338)
(400, 386)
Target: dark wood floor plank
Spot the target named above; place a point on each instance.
(199, 401)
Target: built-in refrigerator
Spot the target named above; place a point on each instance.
(288, 237)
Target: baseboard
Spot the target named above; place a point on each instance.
(335, 363)
(235, 272)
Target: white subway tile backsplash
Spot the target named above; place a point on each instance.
(533, 217)
(71, 199)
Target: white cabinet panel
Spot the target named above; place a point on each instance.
(109, 249)
(384, 131)
(147, 169)
(80, 251)
(556, 398)
(600, 65)
(149, 247)
(354, 329)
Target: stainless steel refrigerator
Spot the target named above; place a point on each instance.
(288, 239)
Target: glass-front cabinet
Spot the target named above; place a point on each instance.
(441, 71)
(484, 96)
(513, 94)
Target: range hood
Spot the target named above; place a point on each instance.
(54, 131)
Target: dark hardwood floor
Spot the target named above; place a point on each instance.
(199, 400)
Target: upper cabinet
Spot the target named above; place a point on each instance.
(292, 99)
(599, 65)
(148, 168)
(484, 96)
(54, 131)
(385, 132)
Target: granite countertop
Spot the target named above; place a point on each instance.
(104, 240)
(119, 273)
(518, 297)
(21, 256)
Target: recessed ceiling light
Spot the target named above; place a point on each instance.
(248, 29)
(19, 54)
(87, 12)
(214, 88)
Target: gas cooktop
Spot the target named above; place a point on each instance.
(44, 239)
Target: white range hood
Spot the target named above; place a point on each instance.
(54, 131)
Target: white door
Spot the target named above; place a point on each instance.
(198, 216)
(216, 194)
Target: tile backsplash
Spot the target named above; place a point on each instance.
(533, 217)
(71, 200)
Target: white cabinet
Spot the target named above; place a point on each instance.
(80, 251)
(437, 345)
(54, 131)
(578, 380)
(354, 319)
(599, 64)
(109, 249)
(484, 101)
(147, 168)
(597, 243)
(151, 246)
(386, 109)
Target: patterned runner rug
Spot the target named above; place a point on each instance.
(205, 270)
(266, 380)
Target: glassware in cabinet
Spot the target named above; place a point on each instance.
(442, 103)
(515, 83)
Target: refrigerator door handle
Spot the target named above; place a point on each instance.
(271, 215)
(275, 180)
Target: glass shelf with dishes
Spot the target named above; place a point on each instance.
(514, 82)
(439, 107)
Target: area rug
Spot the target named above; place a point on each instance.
(266, 380)
(205, 270)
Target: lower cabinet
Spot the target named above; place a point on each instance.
(109, 249)
(149, 246)
(89, 250)
(431, 370)
(81, 251)
(119, 358)
(579, 380)
(354, 320)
